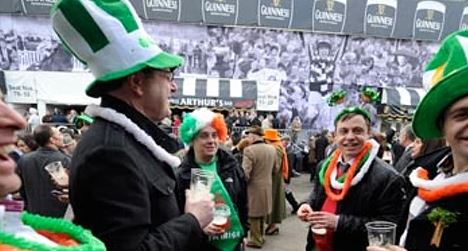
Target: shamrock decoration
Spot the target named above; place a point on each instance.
(441, 218)
(337, 97)
(371, 93)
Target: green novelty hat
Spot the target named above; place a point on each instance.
(83, 118)
(337, 97)
(108, 36)
(446, 77)
(370, 92)
(352, 109)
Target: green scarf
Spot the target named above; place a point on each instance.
(235, 233)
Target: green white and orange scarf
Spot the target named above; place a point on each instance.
(360, 166)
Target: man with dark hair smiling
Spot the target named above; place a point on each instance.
(353, 186)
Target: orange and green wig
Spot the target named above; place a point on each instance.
(200, 118)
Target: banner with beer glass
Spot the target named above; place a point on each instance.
(411, 19)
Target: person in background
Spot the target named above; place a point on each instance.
(406, 139)
(122, 181)
(33, 119)
(37, 182)
(278, 212)
(258, 163)
(204, 130)
(286, 141)
(438, 215)
(238, 150)
(26, 143)
(321, 144)
(353, 186)
(69, 144)
(296, 127)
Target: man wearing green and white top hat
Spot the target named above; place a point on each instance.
(122, 184)
(437, 218)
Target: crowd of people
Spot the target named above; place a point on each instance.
(129, 181)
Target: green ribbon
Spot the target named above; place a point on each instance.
(235, 233)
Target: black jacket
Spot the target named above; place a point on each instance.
(232, 176)
(37, 183)
(455, 236)
(124, 194)
(421, 229)
(378, 196)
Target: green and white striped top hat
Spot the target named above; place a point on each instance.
(109, 38)
(446, 77)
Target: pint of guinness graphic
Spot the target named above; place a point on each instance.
(220, 11)
(464, 19)
(167, 10)
(275, 13)
(380, 17)
(329, 15)
(429, 20)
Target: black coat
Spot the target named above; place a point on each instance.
(404, 160)
(37, 183)
(232, 176)
(421, 229)
(123, 193)
(455, 236)
(378, 196)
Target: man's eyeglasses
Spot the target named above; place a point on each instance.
(170, 75)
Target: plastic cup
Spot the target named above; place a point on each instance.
(200, 182)
(381, 233)
(57, 172)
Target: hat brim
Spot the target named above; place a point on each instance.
(271, 139)
(436, 101)
(163, 60)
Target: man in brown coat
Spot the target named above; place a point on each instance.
(258, 163)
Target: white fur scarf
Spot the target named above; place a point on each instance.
(438, 182)
(140, 135)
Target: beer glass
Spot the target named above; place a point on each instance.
(221, 216)
(200, 182)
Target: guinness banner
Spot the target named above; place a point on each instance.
(399, 19)
(220, 11)
(167, 10)
(380, 18)
(37, 7)
(464, 19)
(429, 20)
(275, 13)
(329, 15)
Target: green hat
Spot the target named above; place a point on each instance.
(352, 109)
(109, 38)
(446, 77)
(85, 118)
(371, 93)
(82, 119)
(336, 97)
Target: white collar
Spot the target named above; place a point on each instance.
(139, 135)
